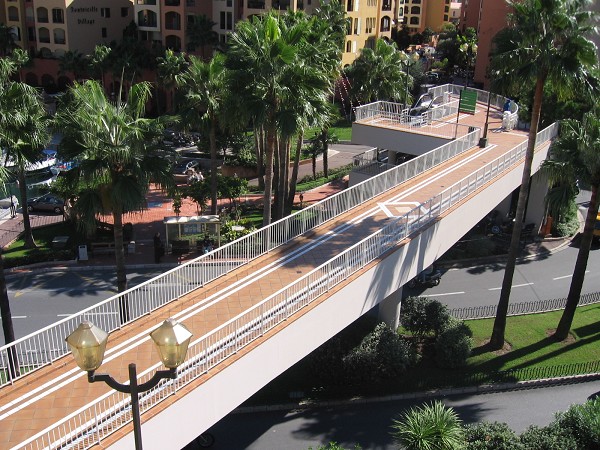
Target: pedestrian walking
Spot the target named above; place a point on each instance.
(13, 207)
(159, 248)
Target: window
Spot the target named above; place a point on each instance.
(385, 23)
(31, 34)
(105, 12)
(58, 15)
(350, 5)
(147, 18)
(445, 17)
(415, 10)
(414, 21)
(229, 21)
(44, 35)
(59, 36)
(222, 20)
(104, 33)
(172, 21)
(190, 3)
(348, 46)
(42, 15)
(13, 14)
(349, 26)
(124, 12)
(229, 3)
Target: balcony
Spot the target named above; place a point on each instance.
(172, 2)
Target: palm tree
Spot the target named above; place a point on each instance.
(200, 33)
(99, 61)
(7, 40)
(576, 156)
(74, 62)
(168, 68)
(10, 114)
(24, 132)
(270, 73)
(377, 74)
(431, 426)
(545, 41)
(113, 142)
(206, 85)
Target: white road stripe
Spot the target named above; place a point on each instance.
(441, 295)
(513, 286)
(565, 276)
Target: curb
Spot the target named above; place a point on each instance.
(482, 389)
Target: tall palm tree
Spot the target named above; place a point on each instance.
(10, 113)
(113, 142)
(377, 74)
(169, 67)
(200, 33)
(576, 156)
(74, 62)
(266, 58)
(545, 42)
(206, 86)
(99, 61)
(7, 40)
(24, 132)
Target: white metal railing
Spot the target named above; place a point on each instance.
(48, 344)
(89, 425)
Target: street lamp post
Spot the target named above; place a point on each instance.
(88, 343)
(408, 61)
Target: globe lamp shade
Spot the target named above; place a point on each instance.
(172, 340)
(88, 343)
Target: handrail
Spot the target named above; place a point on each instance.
(48, 344)
(212, 348)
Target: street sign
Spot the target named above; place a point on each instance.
(468, 100)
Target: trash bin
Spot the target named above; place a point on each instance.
(83, 253)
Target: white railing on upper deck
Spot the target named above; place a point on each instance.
(91, 424)
(48, 344)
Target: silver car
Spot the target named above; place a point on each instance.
(47, 202)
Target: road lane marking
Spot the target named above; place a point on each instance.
(566, 276)
(441, 295)
(513, 286)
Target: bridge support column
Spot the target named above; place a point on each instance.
(389, 309)
(535, 204)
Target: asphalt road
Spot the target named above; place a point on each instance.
(369, 424)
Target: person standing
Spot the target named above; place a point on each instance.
(13, 207)
(159, 248)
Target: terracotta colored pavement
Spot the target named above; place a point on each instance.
(39, 400)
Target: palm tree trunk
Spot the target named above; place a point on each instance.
(259, 146)
(7, 323)
(564, 325)
(325, 143)
(269, 156)
(498, 332)
(213, 165)
(120, 264)
(294, 177)
(27, 230)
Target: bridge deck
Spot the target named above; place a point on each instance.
(39, 400)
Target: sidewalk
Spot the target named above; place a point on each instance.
(145, 224)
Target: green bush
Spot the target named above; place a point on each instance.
(422, 316)
(569, 224)
(583, 423)
(491, 436)
(429, 427)
(38, 256)
(453, 346)
(547, 438)
(382, 354)
(334, 446)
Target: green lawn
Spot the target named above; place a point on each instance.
(531, 343)
(342, 129)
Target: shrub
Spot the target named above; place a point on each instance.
(583, 423)
(334, 446)
(547, 438)
(381, 354)
(453, 346)
(569, 224)
(422, 316)
(491, 436)
(434, 426)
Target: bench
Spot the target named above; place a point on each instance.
(102, 248)
(180, 247)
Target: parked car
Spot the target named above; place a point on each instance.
(186, 167)
(47, 202)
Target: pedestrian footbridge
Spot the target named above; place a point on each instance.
(258, 305)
